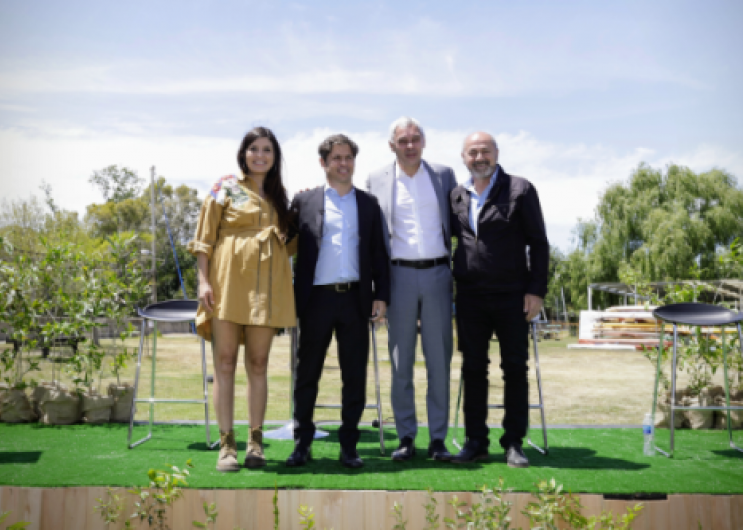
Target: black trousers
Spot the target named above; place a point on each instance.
(478, 316)
(329, 312)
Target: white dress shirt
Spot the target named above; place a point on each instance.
(417, 232)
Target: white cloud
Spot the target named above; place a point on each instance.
(569, 178)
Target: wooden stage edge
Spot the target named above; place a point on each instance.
(73, 509)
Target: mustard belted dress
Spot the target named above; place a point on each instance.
(249, 267)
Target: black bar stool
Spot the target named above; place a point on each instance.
(695, 314)
(169, 311)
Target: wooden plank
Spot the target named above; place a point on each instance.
(246, 511)
(592, 504)
(227, 506)
(289, 502)
(736, 511)
(519, 500)
(374, 514)
(721, 512)
(75, 504)
(52, 508)
(72, 508)
(93, 519)
(9, 503)
(30, 509)
(351, 514)
(263, 518)
(415, 506)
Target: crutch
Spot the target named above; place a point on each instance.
(540, 406)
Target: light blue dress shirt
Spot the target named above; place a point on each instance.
(338, 260)
(477, 201)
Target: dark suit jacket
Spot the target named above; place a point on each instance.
(308, 215)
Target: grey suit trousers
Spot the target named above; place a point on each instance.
(424, 294)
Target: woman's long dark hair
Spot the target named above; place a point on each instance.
(273, 185)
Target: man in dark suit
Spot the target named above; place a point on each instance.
(342, 279)
(496, 218)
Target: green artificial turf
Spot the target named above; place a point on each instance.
(583, 460)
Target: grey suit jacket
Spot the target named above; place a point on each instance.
(381, 184)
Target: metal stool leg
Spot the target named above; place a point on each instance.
(209, 443)
(727, 389)
(661, 348)
(456, 413)
(546, 449)
(673, 388)
(376, 382)
(142, 331)
(286, 432)
(151, 400)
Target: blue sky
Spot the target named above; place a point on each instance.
(577, 93)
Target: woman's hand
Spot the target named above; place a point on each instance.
(206, 295)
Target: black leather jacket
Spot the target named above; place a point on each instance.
(510, 222)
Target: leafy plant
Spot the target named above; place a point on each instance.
(490, 512)
(20, 312)
(14, 526)
(400, 523)
(432, 518)
(275, 502)
(151, 503)
(210, 510)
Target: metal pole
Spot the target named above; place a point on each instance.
(564, 306)
(152, 211)
(590, 308)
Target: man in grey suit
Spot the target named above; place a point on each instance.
(414, 198)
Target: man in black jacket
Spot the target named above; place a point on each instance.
(500, 266)
(342, 279)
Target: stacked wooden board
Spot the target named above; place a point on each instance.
(633, 326)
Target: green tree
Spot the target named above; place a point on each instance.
(660, 225)
(175, 206)
(117, 184)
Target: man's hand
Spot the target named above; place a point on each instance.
(379, 310)
(206, 296)
(532, 306)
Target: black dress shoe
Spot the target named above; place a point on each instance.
(405, 451)
(515, 457)
(299, 457)
(472, 451)
(438, 451)
(350, 458)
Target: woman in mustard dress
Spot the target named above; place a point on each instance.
(245, 284)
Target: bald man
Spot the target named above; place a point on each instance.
(500, 268)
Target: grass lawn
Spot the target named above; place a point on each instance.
(583, 460)
(581, 387)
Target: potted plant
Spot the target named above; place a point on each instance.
(128, 287)
(17, 279)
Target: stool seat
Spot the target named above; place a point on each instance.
(695, 314)
(170, 311)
